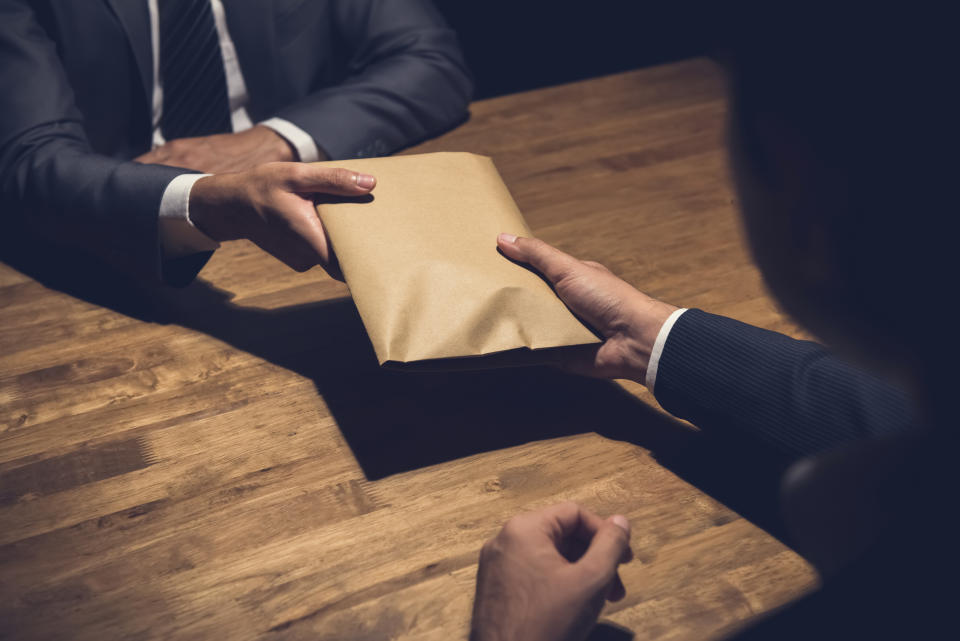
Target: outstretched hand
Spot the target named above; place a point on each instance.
(273, 206)
(547, 574)
(628, 320)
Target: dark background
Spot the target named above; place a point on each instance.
(525, 44)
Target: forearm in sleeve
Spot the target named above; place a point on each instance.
(406, 81)
(719, 374)
(49, 175)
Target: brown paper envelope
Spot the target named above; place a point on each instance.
(421, 261)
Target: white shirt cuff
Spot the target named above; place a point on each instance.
(302, 142)
(178, 236)
(651, 379)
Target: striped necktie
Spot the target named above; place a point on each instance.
(191, 68)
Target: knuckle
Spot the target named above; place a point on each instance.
(547, 260)
(291, 177)
(491, 551)
(537, 250)
(270, 168)
(536, 245)
(342, 178)
(295, 172)
(512, 528)
(560, 273)
(620, 536)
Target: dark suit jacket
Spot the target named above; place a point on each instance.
(721, 374)
(363, 77)
(726, 376)
(902, 586)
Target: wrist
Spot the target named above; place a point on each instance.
(214, 207)
(648, 316)
(275, 146)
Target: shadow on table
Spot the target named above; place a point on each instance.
(606, 631)
(398, 421)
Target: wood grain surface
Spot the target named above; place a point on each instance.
(227, 461)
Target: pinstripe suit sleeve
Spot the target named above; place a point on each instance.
(719, 374)
(51, 180)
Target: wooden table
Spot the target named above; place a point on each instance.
(227, 462)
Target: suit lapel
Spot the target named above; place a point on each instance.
(135, 18)
(252, 28)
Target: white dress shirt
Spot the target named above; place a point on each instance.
(651, 379)
(178, 236)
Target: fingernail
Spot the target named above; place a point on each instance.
(507, 238)
(621, 521)
(365, 181)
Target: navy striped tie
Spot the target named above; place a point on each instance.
(191, 68)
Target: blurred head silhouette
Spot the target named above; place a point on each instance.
(840, 153)
(837, 143)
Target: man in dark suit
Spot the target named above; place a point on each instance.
(109, 109)
(837, 147)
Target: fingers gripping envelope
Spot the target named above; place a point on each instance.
(421, 261)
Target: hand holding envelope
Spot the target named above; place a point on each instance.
(421, 261)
